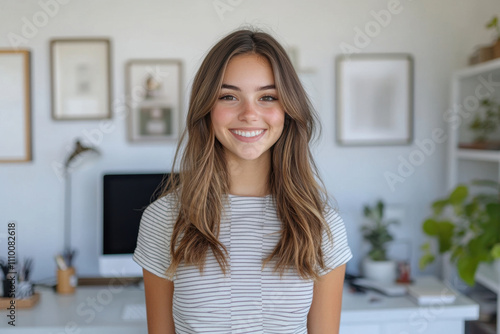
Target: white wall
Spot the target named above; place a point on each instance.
(439, 34)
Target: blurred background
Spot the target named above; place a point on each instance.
(439, 36)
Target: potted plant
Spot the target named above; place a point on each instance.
(485, 122)
(467, 226)
(493, 24)
(376, 265)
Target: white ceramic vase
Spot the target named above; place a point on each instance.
(380, 271)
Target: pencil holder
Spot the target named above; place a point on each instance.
(6, 287)
(66, 281)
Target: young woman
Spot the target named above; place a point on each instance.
(244, 241)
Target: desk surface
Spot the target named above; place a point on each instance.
(93, 309)
(359, 306)
(88, 310)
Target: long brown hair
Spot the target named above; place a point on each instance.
(203, 181)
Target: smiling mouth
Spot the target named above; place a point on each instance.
(247, 134)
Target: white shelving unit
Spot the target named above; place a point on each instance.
(488, 277)
(478, 155)
(469, 86)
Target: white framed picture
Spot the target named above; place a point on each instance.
(154, 97)
(374, 99)
(81, 79)
(15, 106)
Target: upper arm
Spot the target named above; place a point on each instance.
(159, 294)
(324, 314)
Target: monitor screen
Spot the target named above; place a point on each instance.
(125, 196)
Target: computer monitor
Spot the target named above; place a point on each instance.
(124, 199)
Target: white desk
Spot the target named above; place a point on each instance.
(400, 315)
(91, 310)
(98, 310)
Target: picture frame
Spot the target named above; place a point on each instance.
(374, 99)
(15, 99)
(81, 78)
(154, 98)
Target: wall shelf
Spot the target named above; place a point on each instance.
(486, 67)
(478, 155)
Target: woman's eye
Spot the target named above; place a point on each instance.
(269, 98)
(227, 98)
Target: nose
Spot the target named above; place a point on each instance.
(248, 112)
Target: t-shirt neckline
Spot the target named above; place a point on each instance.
(241, 196)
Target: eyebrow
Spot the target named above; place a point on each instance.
(239, 90)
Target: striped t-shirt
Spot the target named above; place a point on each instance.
(248, 299)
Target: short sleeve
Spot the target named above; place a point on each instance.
(152, 251)
(337, 251)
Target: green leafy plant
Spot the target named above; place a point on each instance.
(376, 232)
(493, 24)
(486, 120)
(466, 225)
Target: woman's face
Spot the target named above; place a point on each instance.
(247, 117)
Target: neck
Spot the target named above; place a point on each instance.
(250, 178)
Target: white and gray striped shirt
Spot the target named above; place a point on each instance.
(248, 299)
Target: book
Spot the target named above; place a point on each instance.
(430, 291)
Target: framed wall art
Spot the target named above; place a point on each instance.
(81, 79)
(154, 99)
(374, 99)
(15, 102)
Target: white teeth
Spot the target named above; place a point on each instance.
(248, 133)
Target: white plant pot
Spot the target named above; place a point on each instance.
(380, 271)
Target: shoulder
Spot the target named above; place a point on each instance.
(161, 213)
(152, 251)
(336, 250)
(334, 230)
(333, 218)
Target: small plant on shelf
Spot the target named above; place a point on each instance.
(490, 51)
(486, 120)
(493, 24)
(466, 225)
(495, 48)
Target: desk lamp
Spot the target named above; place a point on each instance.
(79, 153)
